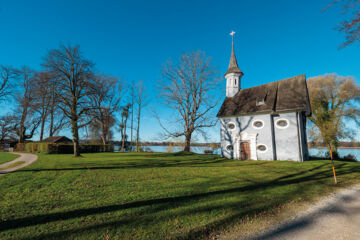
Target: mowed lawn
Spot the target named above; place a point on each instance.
(154, 195)
(7, 157)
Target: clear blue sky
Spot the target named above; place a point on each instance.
(133, 39)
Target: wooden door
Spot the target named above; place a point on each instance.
(244, 150)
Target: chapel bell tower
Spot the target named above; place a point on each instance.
(233, 74)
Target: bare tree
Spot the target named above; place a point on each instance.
(186, 88)
(123, 125)
(350, 27)
(140, 101)
(105, 102)
(57, 119)
(74, 75)
(333, 99)
(27, 122)
(132, 96)
(6, 74)
(42, 96)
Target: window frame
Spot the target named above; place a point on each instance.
(262, 151)
(229, 145)
(258, 120)
(227, 126)
(282, 119)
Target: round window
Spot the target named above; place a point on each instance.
(261, 148)
(258, 124)
(229, 147)
(282, 123)
(231, 126)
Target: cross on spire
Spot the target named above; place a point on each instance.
(232, 36)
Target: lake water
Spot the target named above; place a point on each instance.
(320, 152)
(199, 150)
(316, 152)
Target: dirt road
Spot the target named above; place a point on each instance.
(27, 158)
(336, 217)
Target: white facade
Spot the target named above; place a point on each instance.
(281, 136)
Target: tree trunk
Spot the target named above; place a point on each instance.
(103, 136)
(187, 142)
(332, 147)
(52, 113)
(138, 130)
(42, 129)
(75, 134)
(22, 129)
(51, 126)
(124, 137)
(22, 134)
(132, 122)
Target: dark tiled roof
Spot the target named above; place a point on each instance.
(56, 139)
(285, 95)
(233, 66)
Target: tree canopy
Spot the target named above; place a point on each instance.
(334, 101)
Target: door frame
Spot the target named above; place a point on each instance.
(245, 137)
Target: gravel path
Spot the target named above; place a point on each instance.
(27, 158)
(336, 217)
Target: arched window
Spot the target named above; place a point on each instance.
(235, 81)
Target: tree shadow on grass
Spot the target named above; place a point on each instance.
(149, 163)
(205, 231)
(303, 176)
(148, 219)
(154, 154)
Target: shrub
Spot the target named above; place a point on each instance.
(37, 147)
(20, 147)
(349, 158)
(208, 151)
(43, 147)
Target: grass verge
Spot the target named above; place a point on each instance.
(7, 157)
(155, 195)
(13, 165)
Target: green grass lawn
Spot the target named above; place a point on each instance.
(12, 165)
(7, 157)
(154, 195)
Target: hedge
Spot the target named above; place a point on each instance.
(42, 147)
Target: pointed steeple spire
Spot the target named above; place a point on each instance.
(233, 66)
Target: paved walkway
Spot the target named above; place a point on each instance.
(27, 158)
(336, 217)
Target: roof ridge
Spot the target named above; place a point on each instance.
(274, 81)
